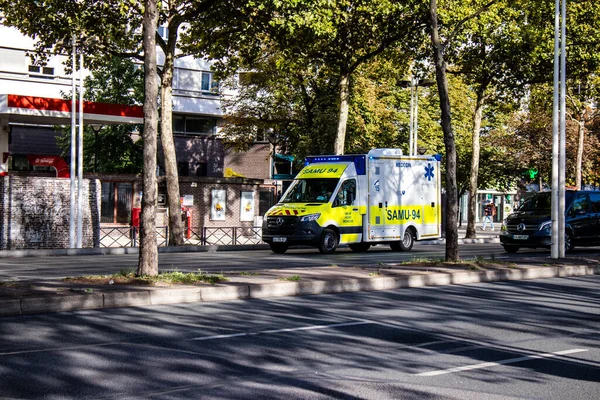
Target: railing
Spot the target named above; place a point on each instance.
(128, 236)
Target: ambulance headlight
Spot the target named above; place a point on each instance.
(310, 217)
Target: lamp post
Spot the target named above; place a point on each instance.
(273, 138)
(414, 85)
(96, 128)
(559, 132)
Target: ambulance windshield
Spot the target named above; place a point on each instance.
(310, 191)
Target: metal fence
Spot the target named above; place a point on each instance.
(128, 236)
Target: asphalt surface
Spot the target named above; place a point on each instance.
(534, 339)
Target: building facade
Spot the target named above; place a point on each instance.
(197, 118)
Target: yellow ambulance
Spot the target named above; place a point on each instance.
(381, 197)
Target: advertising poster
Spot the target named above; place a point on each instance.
(247, 206)
(217, 208)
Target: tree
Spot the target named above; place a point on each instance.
(335, 36)
(451, 209)
(299, 107)
(148, 261)
(583, 110)
(295, 106)
(174, 13)
(110, 148)
(528, 141)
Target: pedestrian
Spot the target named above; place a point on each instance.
(488, 216)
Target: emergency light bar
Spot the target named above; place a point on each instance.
(357, 159)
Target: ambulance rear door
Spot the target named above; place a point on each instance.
(383, 181)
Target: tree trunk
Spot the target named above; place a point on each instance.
(148, 260)
(581, 123)
(473, 187)
(168, 144)
(451, 186)
(343, 117)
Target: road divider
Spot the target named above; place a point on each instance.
(321, 281)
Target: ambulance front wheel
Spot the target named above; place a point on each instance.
(329, 241)
(278, 248)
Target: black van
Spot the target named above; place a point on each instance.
(531, 224)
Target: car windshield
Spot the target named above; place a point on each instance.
(542, 202)
(310, 191)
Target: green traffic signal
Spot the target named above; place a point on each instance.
(532, 173)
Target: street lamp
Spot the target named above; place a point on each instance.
(273, 138)
(557, 248)
(96, 128)
(414, 85)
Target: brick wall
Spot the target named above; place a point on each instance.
(254, 163)
(201, 190)
(35, 212)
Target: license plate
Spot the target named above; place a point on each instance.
(521, 237)
(280, 239)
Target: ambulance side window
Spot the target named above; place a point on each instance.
(347, 194)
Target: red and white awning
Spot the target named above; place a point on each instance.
(49, 111)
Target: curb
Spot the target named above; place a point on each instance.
(180, 249)
(136, 298)
(126, 250)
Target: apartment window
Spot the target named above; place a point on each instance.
(195, 81)
(208, 84)
(178, 124)
(188, 125)
(41, 72)
(163, 32)
(199, 125)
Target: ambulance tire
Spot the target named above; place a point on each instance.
(329, 241)
(359, 247)
(278, 248)
(406, 243)
(408, 240)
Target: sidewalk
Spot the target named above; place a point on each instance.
(34, 297)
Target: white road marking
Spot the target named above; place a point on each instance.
(303, 328)
(502, 362)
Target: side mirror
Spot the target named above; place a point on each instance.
(580, 212)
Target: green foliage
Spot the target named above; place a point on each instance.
(101, 28)
(310, 46)
(125, 278)
(112, 149)
(527, 141)
(293, 278)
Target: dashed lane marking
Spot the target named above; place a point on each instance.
(502, 362)
(271, 331)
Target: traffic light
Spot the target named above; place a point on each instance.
(532, 173)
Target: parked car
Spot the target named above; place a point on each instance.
(530, 226)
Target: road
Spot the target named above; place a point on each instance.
(524, 339)
(59, 267)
